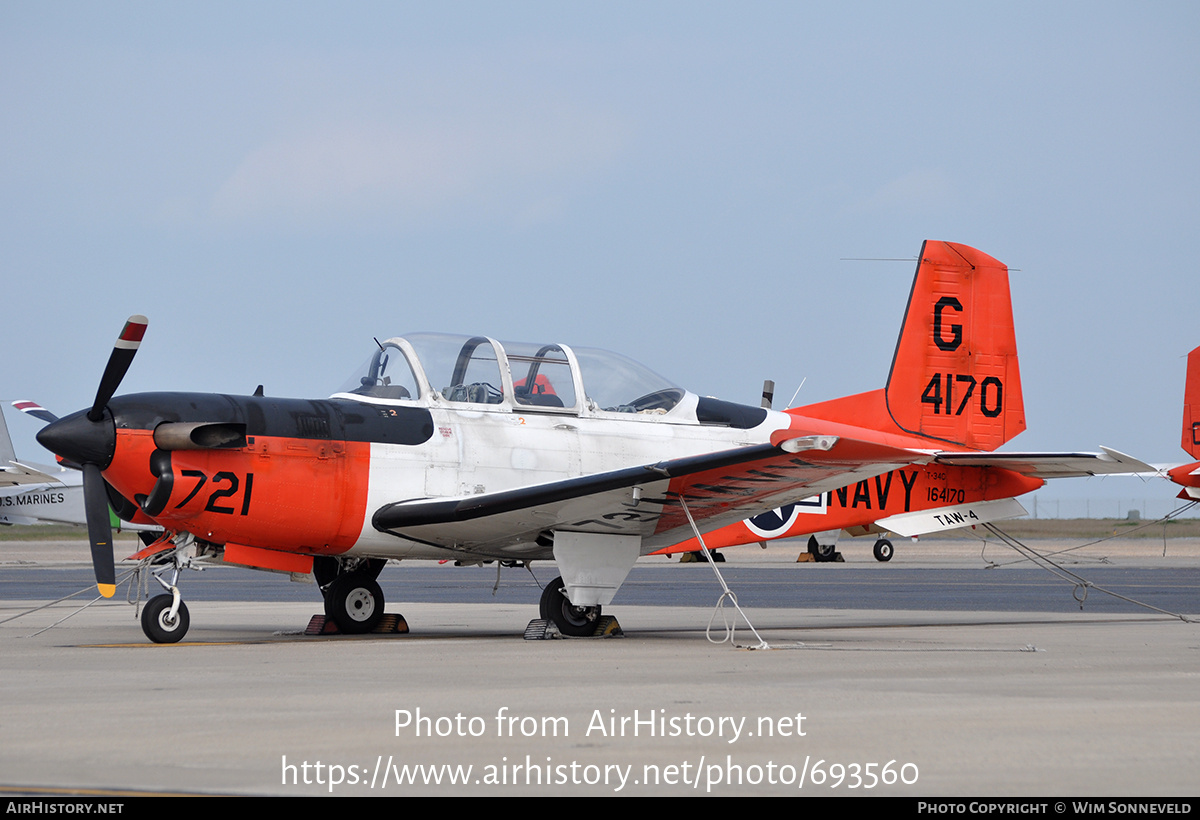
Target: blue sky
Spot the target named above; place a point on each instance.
(275, 183)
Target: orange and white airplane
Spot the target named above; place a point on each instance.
(1188, 475)
(443, 447)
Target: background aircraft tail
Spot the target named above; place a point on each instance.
(7, 453)
(1191, 406)
(954, 376)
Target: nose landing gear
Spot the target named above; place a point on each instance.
(165, 618)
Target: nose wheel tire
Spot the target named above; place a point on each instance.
(576, 621)
(883, 550)
(158, 624)
(354, 602)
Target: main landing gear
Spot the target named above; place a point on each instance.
(354, 602)
(353, 599)
(883, 550)
(822, 552)
(576, 621)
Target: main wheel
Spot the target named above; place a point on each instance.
(158, 624)
(822, 552)
(354, 602)
(883, 550)
(576, 621)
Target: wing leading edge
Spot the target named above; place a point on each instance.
(719, 488)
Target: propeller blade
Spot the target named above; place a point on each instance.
(118, 363)
(95, 503)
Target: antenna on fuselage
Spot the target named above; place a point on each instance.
(792, 403)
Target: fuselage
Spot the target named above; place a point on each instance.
(441, 417)
(306, 476)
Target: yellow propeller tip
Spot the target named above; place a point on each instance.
(107, 590)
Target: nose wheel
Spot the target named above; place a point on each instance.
(576, 621)
(164, 623)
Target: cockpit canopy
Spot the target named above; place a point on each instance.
(477, 370)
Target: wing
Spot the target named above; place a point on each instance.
(1051, 465)
(719, 488)
(15, 473)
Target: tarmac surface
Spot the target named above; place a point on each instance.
(863, 693)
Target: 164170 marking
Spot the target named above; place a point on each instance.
(944, 389)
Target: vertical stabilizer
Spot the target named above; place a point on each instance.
(6, 446)
(954, 376)
(1191, 406)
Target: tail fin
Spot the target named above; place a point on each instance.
(954, 377)
(1191, 406)
(34, 409)
(7, 453)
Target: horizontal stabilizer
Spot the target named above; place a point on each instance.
(941, 519)
(1051, 465)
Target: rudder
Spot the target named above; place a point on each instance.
(7, 453)
(954, 376)
(1191, 406)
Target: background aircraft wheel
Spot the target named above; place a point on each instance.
(576, 621)
(883, 550)
(354, 602)
(155, 621)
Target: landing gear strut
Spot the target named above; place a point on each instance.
(165, 617)
(576, 621)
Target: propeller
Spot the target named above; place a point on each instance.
(89, 440)
(95, 505)
(118, 364)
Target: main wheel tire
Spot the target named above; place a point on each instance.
(354, 602)
(157, 623)
(883, 550)
(576, 621)
(822, 552)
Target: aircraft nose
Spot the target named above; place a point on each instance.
(78, 439)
